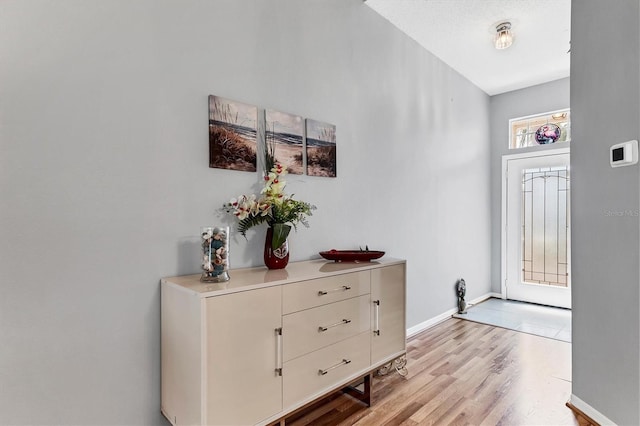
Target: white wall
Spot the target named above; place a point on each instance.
(605, 107)
(532, 100)
(104, 177)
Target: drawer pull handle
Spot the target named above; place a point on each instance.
(344, 321)
(325, 292)
(340, 364)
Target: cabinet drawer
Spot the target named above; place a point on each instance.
(311, 293)
(315, 328)
(303, 378)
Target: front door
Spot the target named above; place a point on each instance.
(537, 239)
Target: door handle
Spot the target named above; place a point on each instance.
(279, 351)
(376, 317)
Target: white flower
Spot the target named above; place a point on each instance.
(242, 214)
(273, 205)
(278, 186)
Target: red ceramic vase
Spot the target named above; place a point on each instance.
(278, 258)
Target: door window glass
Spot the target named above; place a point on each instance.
(545, 226)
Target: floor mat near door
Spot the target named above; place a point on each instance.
(545, 321)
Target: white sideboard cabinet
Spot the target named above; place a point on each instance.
(266, 343)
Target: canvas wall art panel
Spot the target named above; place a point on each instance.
(232, 134)
(321, 149)
(283, 140)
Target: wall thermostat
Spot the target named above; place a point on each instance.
(624, 154)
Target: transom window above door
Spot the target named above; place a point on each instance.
(540, 129)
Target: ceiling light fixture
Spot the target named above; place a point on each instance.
(504, 37)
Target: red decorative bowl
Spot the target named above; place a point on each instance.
(351, 255)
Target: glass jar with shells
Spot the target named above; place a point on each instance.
(215, 254)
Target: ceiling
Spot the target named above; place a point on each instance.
(460, 33)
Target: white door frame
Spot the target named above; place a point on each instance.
(503, 223)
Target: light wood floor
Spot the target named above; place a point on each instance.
(465, 373)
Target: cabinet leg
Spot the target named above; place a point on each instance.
(361, 395)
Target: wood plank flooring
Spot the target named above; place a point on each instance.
(465, 373)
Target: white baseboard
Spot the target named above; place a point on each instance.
(483, 298)
(590, 411)
(445, 315)
(430, 322)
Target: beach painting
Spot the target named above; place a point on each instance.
(321, 149)
(283, 139)
(232, 134)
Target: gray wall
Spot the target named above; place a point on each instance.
(104, 176)
(518, 103)
(605, 107)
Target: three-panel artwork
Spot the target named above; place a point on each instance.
(302, 146)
